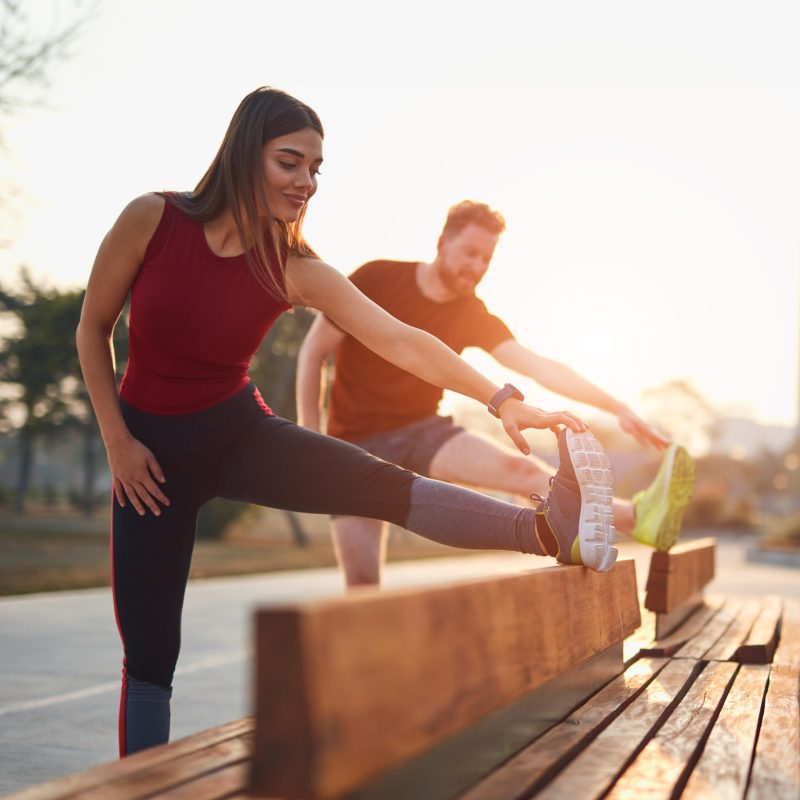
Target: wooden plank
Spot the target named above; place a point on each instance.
(214, 785)
(788, 652)
(159, 778)
(592, 773)
(330, 675)
(695, 624)
(676, 576)
(534, 765)
(737, 633)
(698, 645)
(724, 765)
(660, 769)
(776, 768)
(139, 762)
(760, 645)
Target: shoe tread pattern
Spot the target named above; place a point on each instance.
(593, 471)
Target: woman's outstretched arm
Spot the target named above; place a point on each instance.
(313, 283)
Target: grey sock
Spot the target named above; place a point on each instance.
(463, 518)
(146, 715)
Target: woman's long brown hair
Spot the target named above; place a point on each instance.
(235, 181)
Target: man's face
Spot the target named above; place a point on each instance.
(464, 258)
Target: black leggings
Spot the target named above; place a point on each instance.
(237, 451)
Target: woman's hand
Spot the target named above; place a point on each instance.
(516, 416)
(135, 472)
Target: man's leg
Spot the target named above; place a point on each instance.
(472, 460)
(360, 547)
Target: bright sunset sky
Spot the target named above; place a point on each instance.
(646, 157)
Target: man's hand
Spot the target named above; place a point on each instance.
(516, 416)
(640, 430)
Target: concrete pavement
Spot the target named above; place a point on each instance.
(60, 655)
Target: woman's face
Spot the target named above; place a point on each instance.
(291, 165)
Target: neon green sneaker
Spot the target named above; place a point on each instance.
(659, 508)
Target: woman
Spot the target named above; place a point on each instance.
(208, 272)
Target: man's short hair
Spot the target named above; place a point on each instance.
(468, 212)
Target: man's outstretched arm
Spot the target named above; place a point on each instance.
(560, 378)
(320, 343)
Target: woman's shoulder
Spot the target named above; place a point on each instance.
(142, 215)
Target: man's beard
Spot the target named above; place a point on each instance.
(459, 283)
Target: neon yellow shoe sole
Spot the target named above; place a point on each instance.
(660, 507)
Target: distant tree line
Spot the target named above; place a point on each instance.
(42, 393)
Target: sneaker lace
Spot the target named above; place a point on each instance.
(546, 500)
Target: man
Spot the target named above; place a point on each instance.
(392, 414)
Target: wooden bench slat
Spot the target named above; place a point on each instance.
(763, 639)
(695, 624)
(140, 762)
(171, 774)
(214, 786)
(680, 574)
(348, 688)
(593, 771)
(724, 765)
(727, 645)
(538, 761)
(698, 646)
(776, 768)
(788, 652)
(659, 769)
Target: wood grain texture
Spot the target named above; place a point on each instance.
(701, 642)
(214, 785)
(159, 778)
(661, 767)
(592, 772)
(104, 774)
(788, 651)
(759, 647)
(723, 768)
(776, 768)
(695, 624)
(728, 644)
(350, 687)
(518, 777)
(676, 576)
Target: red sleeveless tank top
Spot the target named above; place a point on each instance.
(196, 319)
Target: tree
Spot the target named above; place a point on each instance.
(27, 55)
(41, 374)
(35, 362)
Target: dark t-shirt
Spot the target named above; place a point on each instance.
(370, 395)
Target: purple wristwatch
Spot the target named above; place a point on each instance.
(507, 391)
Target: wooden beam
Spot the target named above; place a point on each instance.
(763, 638)
(349, 687)
(678, 575)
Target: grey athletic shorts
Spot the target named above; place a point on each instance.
(412, 446)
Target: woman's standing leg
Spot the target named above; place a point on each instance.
(150, 566)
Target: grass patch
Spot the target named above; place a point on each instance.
(54, 561)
